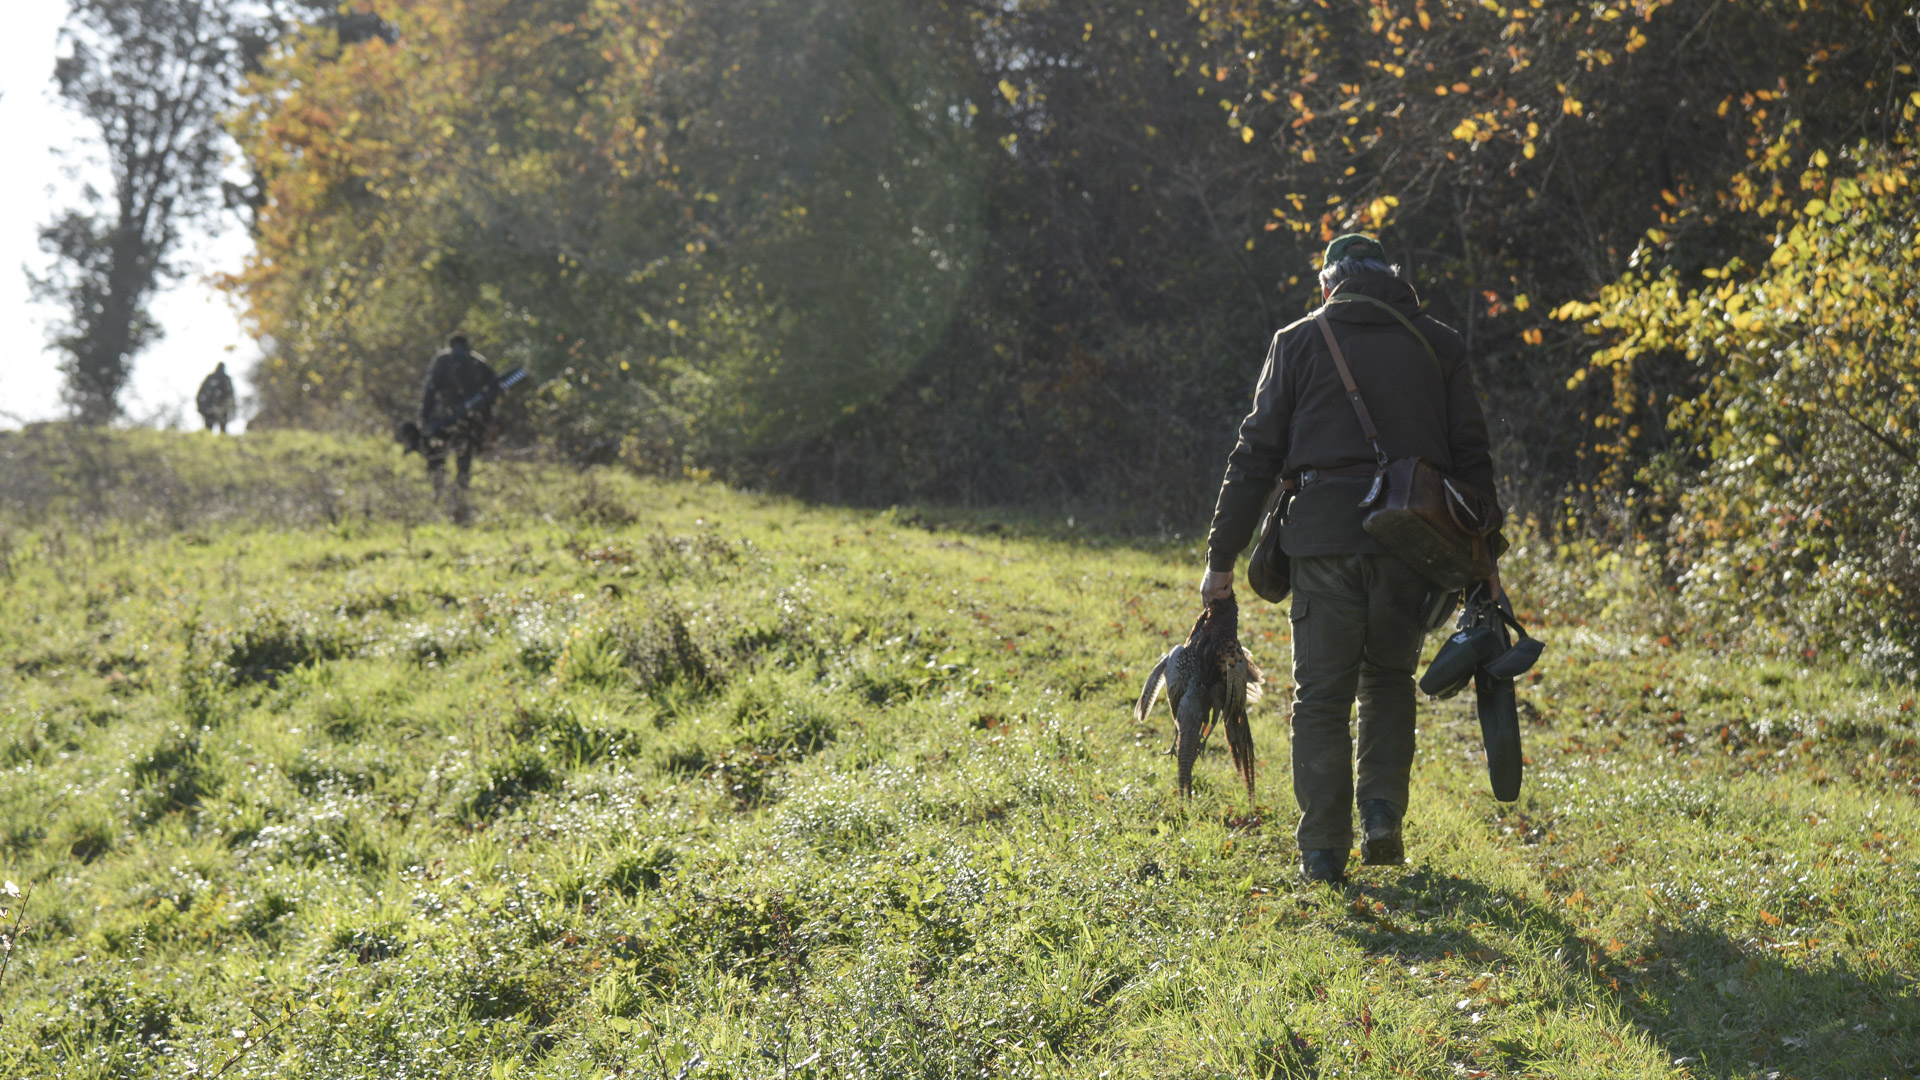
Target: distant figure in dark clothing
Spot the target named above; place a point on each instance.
(454, 378)
(215, 399)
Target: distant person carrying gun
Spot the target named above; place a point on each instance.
(1353, 403)
(456, 412)
(215, 399)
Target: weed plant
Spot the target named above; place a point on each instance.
(629, 778)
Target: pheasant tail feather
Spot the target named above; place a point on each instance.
(1156, 681)
(1240, 742)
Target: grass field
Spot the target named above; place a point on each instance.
(639, 779)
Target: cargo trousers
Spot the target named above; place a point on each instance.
(464, 439)
(1357, 631)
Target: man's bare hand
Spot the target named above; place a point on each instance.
(1216, 585)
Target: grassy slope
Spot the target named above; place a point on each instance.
(629, 772)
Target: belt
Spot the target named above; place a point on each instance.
(1314, 476)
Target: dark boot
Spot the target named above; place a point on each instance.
(1327, 865)
(1380, 839)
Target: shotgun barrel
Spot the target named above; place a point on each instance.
(416, 437)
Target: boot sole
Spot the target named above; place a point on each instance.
(1386, 851)
(1321, 876)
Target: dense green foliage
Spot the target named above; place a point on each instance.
(936, 249)
(1528, 154)
(299, 783)
(1030, 253)
(1783, 482)
(612, 202)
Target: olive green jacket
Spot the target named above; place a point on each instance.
(1424, 405)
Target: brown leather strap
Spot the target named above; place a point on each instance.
(1353, 389)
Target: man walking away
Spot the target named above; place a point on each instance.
(1357, 611)
(215, 398)
(455, 377)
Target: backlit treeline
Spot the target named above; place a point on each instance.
(1031, 252)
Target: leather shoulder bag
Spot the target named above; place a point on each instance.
(1269, 571)
(1435, 523)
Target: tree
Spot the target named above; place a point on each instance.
(492, 166)
(901, 249)
(898, 250)
(712, 226)
(1789, 497)
(1529, 149)
(152, 76)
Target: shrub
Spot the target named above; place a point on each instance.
(1789, 498)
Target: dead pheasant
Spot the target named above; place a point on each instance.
(1209, 679)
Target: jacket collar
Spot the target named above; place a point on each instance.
(1382, 287)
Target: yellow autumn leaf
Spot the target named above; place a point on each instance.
(1527, 151)
(1010, 92)
(1466, 129)
(1574, 309)
(1246, 134)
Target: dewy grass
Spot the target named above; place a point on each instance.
(644, 779)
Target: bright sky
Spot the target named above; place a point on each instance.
(201, 329)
